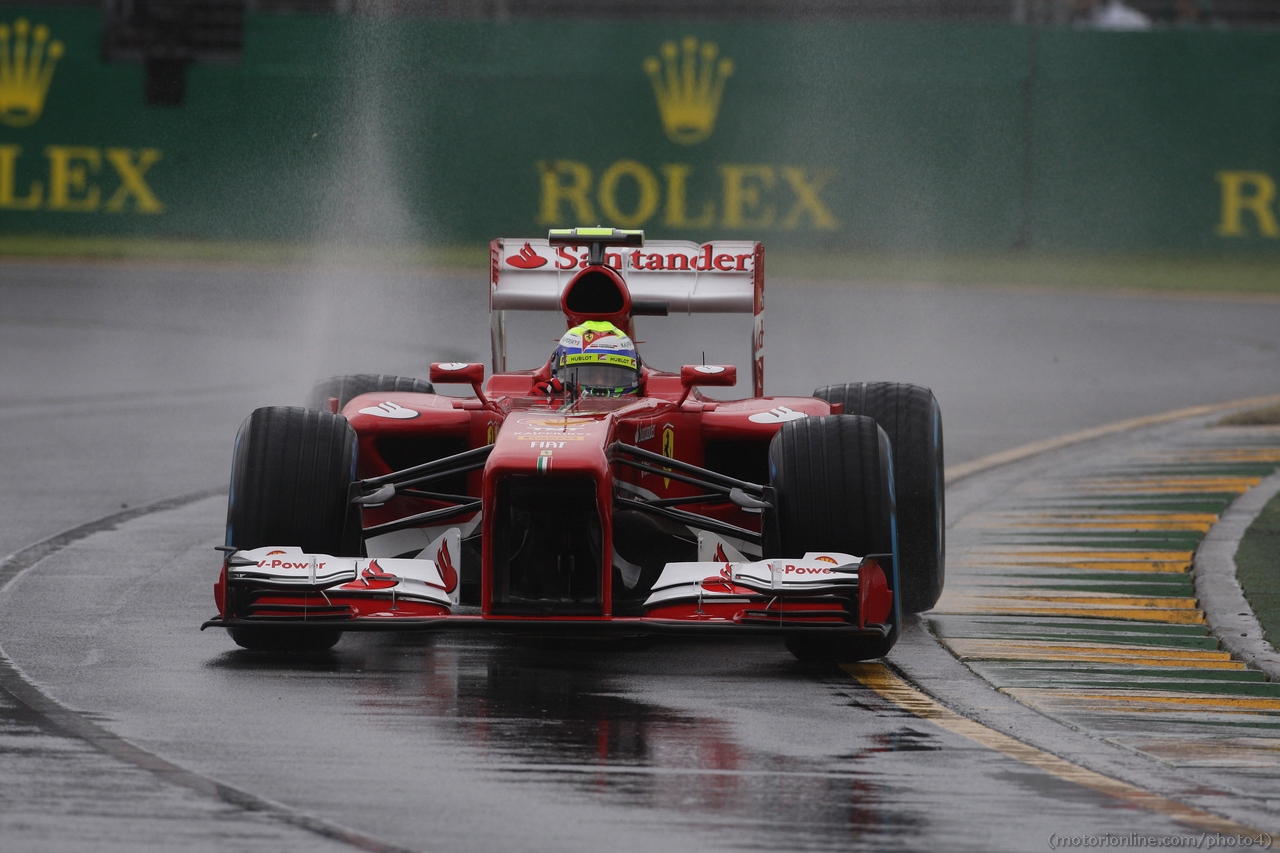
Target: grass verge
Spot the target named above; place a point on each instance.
(1191, 273)
(1262, 416)
(1258, 569)
(231, 251)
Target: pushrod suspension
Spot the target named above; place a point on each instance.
(698, 522)
(468, 460)
(711, 479)
(423, 518)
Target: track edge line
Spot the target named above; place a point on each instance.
(76, 724)
(955, 473)
(1230, 616)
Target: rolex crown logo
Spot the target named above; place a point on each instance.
(27, 61)
(688, 81)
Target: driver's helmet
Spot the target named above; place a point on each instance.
(599, 359)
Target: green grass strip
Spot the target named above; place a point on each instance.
(1258, 568)
(1075, 676)
(1074, 631)
(1264, 416)
(1192, 273)
(46, 246)
(1134, 589)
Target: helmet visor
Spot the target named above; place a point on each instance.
(605, 379)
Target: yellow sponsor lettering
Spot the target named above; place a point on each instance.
(807, 200)
(555, 192)
(69, 170)
(742, 189)
(8, 179)
(73, 186)
(646, 185)
(1247, 191)
(752, 196)
(677, 175)
(131, 171)
(688, 84)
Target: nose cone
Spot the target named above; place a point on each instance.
(552, 443)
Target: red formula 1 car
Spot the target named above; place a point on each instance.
(593, 495)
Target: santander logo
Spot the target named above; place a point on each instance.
(528, 259)
(373, 577)
(448, 574)
(722, 582)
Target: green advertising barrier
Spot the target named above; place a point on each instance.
(889, 136)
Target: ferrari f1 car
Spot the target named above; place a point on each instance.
(594, 495)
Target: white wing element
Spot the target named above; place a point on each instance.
(719, 277)
(724, 276)
(290, 568)
(445, 551)
(417, 541)
(719, 580)
(714, 548)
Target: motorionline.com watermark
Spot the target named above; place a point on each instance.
(1202, 841)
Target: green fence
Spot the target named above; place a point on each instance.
(830, 135)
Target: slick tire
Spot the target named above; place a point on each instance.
(290, 474)
(913, 421)
(830, 479)
(346, 387)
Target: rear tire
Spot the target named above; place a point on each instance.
(830, 478)
(347, 387)
(913, 421)
(290, 475)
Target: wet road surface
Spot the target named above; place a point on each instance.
(123, 385)
(474, 744)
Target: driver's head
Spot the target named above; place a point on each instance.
(599, 359)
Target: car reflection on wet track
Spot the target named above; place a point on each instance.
(553, 713)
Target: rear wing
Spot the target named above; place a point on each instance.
(725, 276)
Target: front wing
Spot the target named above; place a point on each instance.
(830, 593)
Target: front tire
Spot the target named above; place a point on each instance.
(910, 415)
(831, 482)
(290, 475)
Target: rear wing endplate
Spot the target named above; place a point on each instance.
(725, 276)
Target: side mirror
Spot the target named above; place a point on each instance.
(461, 373)
(691, 375)
(725, 375)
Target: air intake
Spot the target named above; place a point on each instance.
(594, 292)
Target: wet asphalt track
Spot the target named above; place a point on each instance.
(122, 385)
